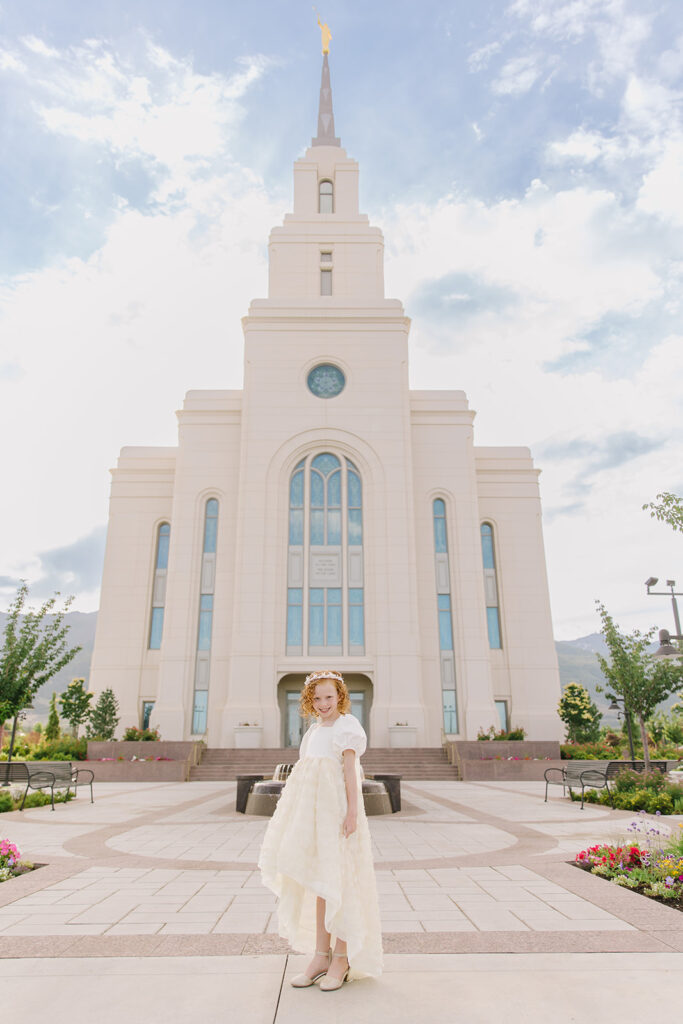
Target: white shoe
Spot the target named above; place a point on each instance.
(332, 984)
(304, 980)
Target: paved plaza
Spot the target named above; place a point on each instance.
(150, 907)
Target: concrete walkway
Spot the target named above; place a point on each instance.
(150, 908)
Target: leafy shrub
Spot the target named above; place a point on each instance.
(668, 802)
(627, 781)
(131, 733)
(66, 748)
(600, 751)
(492, 734)
(40, 799)
(579, 714)
(37, 799)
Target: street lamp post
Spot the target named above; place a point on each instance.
(614, 706)
(666, 649)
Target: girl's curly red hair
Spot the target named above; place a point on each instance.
(324, 676)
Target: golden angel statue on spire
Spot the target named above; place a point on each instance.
(325, 33)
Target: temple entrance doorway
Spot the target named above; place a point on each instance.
(293, 725)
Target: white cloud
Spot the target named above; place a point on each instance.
(101, 349)
(591, 264)
(650, 107)
(39, 46)
(661, 192)
(480, 58)
(563, 19)
(11, 62)
(618, 32)
(165, 113)
(517, 76)
(671, 61)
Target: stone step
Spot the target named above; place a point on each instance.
(412, 763)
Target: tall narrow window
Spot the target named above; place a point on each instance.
(490, 586)
(444, 618)
(326, 272)
(147, 709)
(325, 605)
(326, 197)
(200, 703)
(156, 625)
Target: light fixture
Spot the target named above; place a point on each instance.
(652, 581)
(666, 649)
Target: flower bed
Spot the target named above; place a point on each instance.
(11, 863)
(603, 750)
(650, 861)
(499, 757)
(134, 758)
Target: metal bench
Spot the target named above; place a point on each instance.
(46, 775)
(592, 777)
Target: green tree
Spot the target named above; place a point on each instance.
(668, 508)
(34, 649)
(579, 714)
(643, 681)
(104, 717)
(75, 704)
(52, 729)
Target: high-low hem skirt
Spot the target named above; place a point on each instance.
(305, 855)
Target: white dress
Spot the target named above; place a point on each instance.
(304, 852)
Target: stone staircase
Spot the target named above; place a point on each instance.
(413, 763)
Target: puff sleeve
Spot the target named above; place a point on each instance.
(349, 735)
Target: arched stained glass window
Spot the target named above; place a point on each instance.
(490, 586)
(325, 606)
(444, 613)
(156, 625)
(326, 197)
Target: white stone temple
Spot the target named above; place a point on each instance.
(327, 516)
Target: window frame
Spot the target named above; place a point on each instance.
(327, 195)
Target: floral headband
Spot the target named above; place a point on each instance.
(316, 677)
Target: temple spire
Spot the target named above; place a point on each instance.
(325, 136)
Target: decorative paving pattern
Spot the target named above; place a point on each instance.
(138, 901)
(239, 841)
(169, 869)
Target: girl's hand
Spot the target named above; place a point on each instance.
(349, 826)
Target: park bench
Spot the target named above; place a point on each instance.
(46, 775)
(590, 776)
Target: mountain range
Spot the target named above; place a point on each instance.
(577, 662)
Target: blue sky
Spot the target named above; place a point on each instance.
(523, 159)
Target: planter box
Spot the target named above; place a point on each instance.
(402, 736)
(182, 756)
(473, 750)
(136, 771)
(176, 750)
(506, 771)
(248, 737)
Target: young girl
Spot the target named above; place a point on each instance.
(316, 853)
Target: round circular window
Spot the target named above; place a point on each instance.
(326, 381)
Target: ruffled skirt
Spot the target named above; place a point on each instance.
(305, 855)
